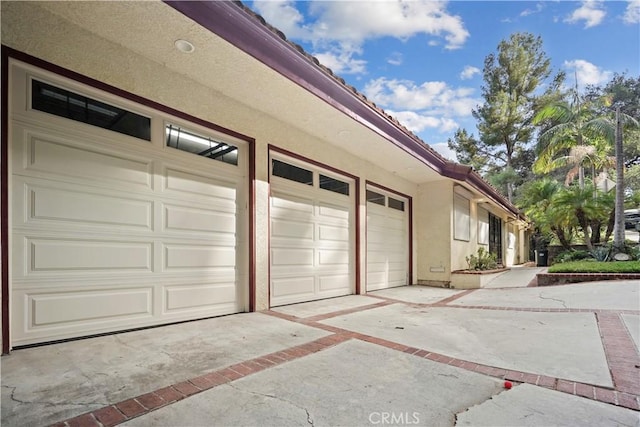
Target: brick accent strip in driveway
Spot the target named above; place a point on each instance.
(620, 351)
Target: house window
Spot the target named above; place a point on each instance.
(396, 204)
(291, 172)
(462, 218)
(495, 236)
(483, 226)
(376, 198)
(335, 185)
(192, 142)
(63, 103)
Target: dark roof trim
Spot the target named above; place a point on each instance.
(249, 33)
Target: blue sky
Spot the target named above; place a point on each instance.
(422, 60)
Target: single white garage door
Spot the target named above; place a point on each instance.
(121, 217)
(387, 240)
(312, 233)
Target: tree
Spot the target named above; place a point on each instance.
(513, 78)
(468, 150)
(574, 133)
(536, 200)
(578, 201)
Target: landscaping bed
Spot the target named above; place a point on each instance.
(589, 271)
(548, 279)
(473, 279)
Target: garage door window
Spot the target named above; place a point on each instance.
(70, 105)
(376, 198)
(192, 142)
(335, 185)
(396, 204)
(291, 172)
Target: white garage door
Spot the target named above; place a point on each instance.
(117, 223)
(387, 240)
(312, 233)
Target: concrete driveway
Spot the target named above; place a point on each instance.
(403, 356)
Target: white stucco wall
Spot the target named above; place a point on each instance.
(433, 213)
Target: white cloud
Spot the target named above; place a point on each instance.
(342, 61)
(284, 16)
(417, 122)
(336, 26)
(539, 7)
(429, 106)
(591, 12)
(632, 13)
(469, 72)
(436, 97)
(587, 73)
(395, 58)
(445, 151)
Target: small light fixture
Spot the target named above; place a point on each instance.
(184, 46)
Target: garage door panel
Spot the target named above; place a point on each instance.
(285, 228)
(180, 182)
(333, 257)
(290, 289)
(48, 309)
(87, 255)
(184, 218)
(334, 283)
(333, 234)
(199, 257)
(285, 204)
(185, 297)
(292, 257)
(334, 211)
(72, 206)
(60, 158)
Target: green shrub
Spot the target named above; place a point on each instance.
(601, 253)
(482, 261)
(592, 266)
(571, 255)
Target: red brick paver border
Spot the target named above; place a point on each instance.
(620, 351)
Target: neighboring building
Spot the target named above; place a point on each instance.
(142, 185)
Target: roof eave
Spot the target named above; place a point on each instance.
(230, 21)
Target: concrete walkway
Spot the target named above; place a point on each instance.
(515, 277)
(405, 356)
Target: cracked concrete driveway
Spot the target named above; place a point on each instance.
(403, 356)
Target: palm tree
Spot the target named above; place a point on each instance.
(537, 201)
(580, 203)
(576, 135)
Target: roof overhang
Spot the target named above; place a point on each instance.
(242, 28)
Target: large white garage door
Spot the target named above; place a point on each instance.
(116, 222)
(387, 240)
(312, 233)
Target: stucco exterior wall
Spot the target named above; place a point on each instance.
(433, 213)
